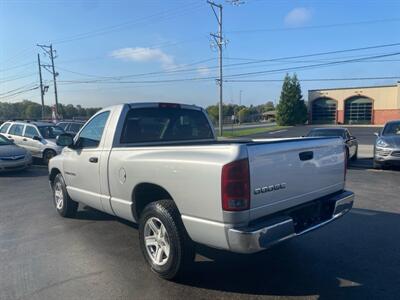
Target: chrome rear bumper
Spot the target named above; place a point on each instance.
(254, 239)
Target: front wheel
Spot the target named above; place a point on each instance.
(65, 206)
(163, 239)
(47, 155)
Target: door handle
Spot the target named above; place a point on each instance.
(24, 139)
(93, 160)
(306, 155)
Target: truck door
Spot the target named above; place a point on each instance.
(82, 163)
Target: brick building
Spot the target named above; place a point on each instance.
(355, 105)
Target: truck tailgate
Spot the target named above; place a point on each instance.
(289, 172)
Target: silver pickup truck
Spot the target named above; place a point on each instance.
(161, 166)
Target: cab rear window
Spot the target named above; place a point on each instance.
(165, 124)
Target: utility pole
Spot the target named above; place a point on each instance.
(240, 98)
(50, 52)
(41, 86)
(219, 41)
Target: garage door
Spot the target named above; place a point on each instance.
(324, 111)
(358, 110)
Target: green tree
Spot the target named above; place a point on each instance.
(291, 109)
(31, 110)
(212, 112)
(244, 114)
(269, 106)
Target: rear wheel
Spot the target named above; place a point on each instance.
(65, 206)
(377, 165)
(47, 155)
(355, 156)
(163, 239)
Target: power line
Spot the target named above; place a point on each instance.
(17, 66)
(237, 74)
(48, 49)
(13, 78)
(317, 54)
(252, 62)
(317, 79)
(19, 88)
(19, 92)
(313, 65)
(167, 71)
(24, 52)
(109, 29)
(315, 26)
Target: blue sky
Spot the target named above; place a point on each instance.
(101, 43)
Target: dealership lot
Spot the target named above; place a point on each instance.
(98, 256)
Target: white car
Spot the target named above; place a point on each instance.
(12, 157)
(161, 166)
(39, 138)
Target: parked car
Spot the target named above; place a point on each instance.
(161, 166)
(349, 140)
(387, 145)
(12, 157)
(37, 137)
(71, 127)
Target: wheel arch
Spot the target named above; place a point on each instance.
(53, 173)
(48, 149)
(145, 193)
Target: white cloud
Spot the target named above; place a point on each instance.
(143, 54)
(298, 16)
(204, 71)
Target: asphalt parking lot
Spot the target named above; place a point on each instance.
(43, 256)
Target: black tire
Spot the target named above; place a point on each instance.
(47, 155)
(181, 249)
(68, 207)
(377, 165)
(355, 156)
(347, 154)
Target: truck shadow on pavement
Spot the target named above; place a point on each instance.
(357, 257)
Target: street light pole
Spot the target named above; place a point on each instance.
(219, 41)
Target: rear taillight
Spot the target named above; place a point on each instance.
(235, 184)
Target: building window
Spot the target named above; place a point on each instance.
(358, 110)
(323, 111)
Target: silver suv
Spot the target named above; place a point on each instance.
(37, 137)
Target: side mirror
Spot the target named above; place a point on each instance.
(352, 137)
(64, 140)
(36, 138)
(376, 133)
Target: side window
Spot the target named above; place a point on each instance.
(91, 134)
(31, 131)
(16, 129)
(62, 125)
(4, 128)
(74, 127)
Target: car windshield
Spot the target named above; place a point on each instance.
(326, 132)
(50, 132)
(392, 129)
(4, 141)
